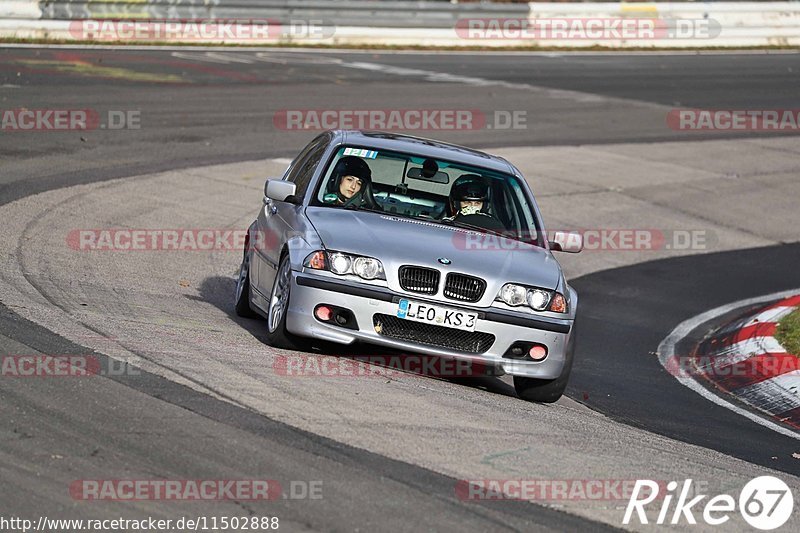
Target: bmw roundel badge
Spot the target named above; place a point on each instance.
(444, 260)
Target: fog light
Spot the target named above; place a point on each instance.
(537, 352)
(323, 313)
(341, 319)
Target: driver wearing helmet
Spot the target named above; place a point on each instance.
(468, 196)
(350, 184)
(469, 203)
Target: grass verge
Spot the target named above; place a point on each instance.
(788, 332)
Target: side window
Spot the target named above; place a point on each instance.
(528, 224)
(306, 163)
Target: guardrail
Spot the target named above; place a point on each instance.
(356, 13)
(408, 23)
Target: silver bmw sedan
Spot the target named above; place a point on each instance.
(415, 245)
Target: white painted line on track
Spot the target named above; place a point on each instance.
(444, 77)
(231, 58)
(427, 75)
(666, 351)
(200, 57)
(773, 314)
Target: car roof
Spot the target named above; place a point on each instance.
(421, 146)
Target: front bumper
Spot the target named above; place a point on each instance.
(310, 290)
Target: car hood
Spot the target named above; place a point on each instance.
(397, 240)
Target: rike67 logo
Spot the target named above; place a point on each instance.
(765, 503)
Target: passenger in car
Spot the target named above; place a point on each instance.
(350, 184)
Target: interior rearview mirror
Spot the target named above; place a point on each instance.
(566, 241)
(416, 173)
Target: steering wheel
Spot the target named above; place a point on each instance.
(482, 221)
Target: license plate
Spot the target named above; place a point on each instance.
(438, 316)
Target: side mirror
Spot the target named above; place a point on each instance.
(566, 241)
(279, 190)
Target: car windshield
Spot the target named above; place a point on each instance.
(428, 189)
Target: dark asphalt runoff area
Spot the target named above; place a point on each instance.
(194, 112)
(197, 112)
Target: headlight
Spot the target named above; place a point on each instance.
(536, 299)
(342, 264)
(513, 294)
(368, 268)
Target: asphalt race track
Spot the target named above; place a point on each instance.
(204, 401)
(622, 336)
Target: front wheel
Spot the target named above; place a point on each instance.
(242, 303)
(277, 334)
(547, 390)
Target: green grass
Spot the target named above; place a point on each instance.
(788, 332)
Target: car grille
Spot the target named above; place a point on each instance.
(464, 288)
(419, 279)
(440, 336)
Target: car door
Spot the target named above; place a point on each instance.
(276, 220)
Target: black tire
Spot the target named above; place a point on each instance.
(277, 334)
(242, 300)
(547, 390)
